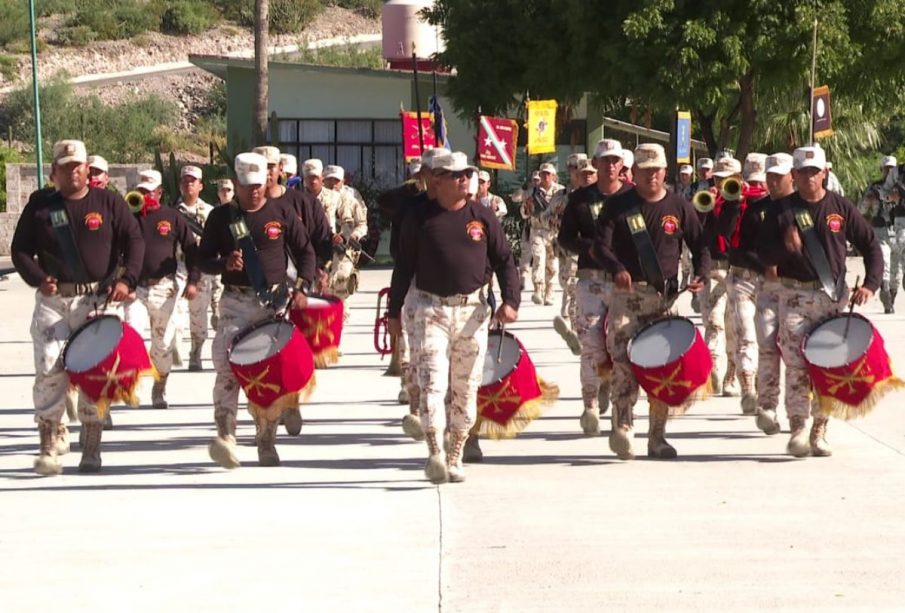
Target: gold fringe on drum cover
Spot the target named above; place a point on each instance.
(527, 412)
(287, 401)
(326, 357)
(126, 395)
(832, 407)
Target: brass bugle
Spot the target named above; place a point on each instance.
(731, 189)
(136, 200)
(703, 201)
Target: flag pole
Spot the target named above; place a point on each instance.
(417, 99)
(39, 153)
(813, 81)
(477, 137)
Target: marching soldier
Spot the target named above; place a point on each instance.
(276, 231)
(194, 208)
(806, 240)
(645, 282)
(98, 172)
(525, 257)
(97, 231)
(313, 172)
(225, 191)
(289, 166)
(577, 235)
(581, 173)
(719, 337)
(534, 209)
(163, 230)
(488, 199)
(446, 248)
(705, 176)
(352, 226)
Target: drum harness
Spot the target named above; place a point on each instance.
(817, 255)
(647, 256)
(274, 297)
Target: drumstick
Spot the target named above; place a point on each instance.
(499, 353)
(851, 307)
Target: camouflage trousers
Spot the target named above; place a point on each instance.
(408, 356)
(54, 319)
(343, 276)
(592, 292)
(238, 310)
(800, 309)
(568, 281)
(886, 250)
(160, 301)
(685, 265)
(451, 337)
(744, 285)
(896, 264)
(543, 261)
(524, 258)
(766, 325)
(209, 292)
(628, 313)
(719, 337)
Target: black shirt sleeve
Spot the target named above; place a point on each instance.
(404, 268)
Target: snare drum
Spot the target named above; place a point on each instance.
(321, 323)
(670, 360)
(511, 395)
(849, 369)
(274, 366)
(105, 358)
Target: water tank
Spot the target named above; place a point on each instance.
(402, 28)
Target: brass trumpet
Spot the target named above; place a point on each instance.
(731, 189)
(703, 201)
(136, 200)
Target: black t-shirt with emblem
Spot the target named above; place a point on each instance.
(836, 220)
(745, 254)
(447, 253)
(105, 233)
(163, 229)
(274, 229)
(579, 222)
(307, 208)
(669, 221)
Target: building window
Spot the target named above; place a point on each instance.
(370, 150)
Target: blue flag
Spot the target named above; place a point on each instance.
(433, 106)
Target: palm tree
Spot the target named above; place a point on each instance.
(262, 16)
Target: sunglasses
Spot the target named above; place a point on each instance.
(458, 174)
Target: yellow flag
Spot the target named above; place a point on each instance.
(541, 126)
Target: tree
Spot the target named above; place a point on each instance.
(723, 59)
(262, 13)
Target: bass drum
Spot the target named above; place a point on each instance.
(321, 323)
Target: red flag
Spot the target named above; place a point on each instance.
(497, 140)
(411, 140)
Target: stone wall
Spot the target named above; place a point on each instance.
(21, 181)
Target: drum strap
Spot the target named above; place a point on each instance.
(246, 244)
(816, 253)
(647, 253)
(62, 230)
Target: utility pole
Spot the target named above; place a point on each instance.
(39, 153)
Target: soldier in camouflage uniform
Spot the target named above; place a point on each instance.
(634, 301)
(452, 313)
(803, 301)
(352, 225)
(105, 234)
(534, 209)
(313, 173)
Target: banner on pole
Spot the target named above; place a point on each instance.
(497, 141)
(411, 140)
(820, 112)
(541, 126)
(683, 137)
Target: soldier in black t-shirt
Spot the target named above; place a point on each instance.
(445, 249)
(635, 299)
(276, 230)
(105, 233)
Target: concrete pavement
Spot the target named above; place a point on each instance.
(551, 521)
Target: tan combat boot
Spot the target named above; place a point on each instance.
(767, 421)
(265, 438)
(590, 421)
(435, 468)
(622, 434)
(716, 382)
(657, 447)
(798, 443)
(730, 388)
(819, 446)
(159, 393)
(548, 294)
(749, 395)
(537, 296)
(62, 445)
(47, 462)
(91, 449)
(403, 396)
(411, 423)
(472, 453)
(223, 448)
(292, 421)
(454, 468)
(195, 356)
